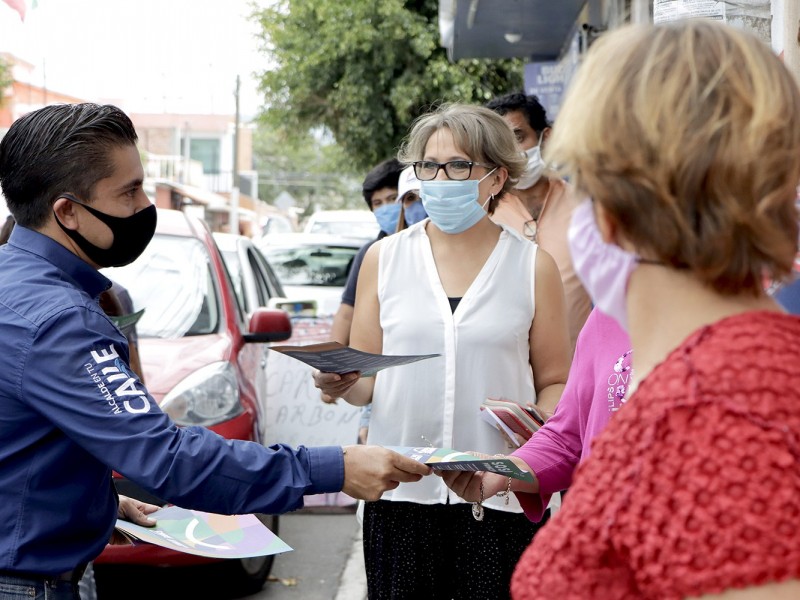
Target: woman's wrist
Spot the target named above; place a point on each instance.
(524, 487)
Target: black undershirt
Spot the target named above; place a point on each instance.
(453, 304)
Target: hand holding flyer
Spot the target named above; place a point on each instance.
(447, 459)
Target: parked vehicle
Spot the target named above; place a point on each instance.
(312, 266)
(276, 223)
(254, 281)
(359, 224)
(203, 360)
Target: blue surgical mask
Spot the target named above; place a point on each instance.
(387, 216)
(453, 205)
(414, 213)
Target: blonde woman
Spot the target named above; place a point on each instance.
(687, 139)
(492, 305)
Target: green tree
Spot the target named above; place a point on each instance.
(306, 165)
(364, 70)
(5, 78)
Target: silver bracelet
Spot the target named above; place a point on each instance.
(477, 507)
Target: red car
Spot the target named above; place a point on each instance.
(203, 359)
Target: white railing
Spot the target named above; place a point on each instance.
(174, 168)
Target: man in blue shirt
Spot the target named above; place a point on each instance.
(73, 410)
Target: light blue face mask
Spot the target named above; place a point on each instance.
(414, 213)
(453, 205)
(387, 215)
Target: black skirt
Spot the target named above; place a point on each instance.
(439, 551)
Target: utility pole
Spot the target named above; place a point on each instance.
(187, 154)
(640, 11)
(234, 212)
(791, 37)
(236, 137)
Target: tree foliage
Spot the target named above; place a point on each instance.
(364, 70)
(5, 78)
(305, 165)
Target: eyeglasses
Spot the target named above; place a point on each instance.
(458, 170)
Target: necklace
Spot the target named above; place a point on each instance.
(530, 228)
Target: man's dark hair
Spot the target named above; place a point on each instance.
(534, 112)
(57, 149)
(384, 175)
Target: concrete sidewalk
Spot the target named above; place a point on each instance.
(353, 584)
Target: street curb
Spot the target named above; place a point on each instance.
(353, 583)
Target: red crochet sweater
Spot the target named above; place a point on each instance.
(694, 487)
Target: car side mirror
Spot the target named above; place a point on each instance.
(269, 325)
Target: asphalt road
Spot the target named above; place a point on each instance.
(325, 564)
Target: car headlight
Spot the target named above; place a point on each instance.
(206, 397)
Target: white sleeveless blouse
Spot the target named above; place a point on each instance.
(484, 349)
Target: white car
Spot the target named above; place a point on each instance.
(254, 281)
(359, 224)
(312, 266)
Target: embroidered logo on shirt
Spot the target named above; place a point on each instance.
(618, 382)
(114, 381)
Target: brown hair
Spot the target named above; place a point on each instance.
(479, 132)
(688, 135)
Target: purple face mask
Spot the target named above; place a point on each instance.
(604, 269)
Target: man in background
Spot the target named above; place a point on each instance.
(380, 193)
(542, 203)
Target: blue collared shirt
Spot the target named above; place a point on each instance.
(71, 410)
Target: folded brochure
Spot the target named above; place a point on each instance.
(206, 534)
(447, 459)
(511, 418)
(333, 357)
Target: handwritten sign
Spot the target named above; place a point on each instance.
(295, 414)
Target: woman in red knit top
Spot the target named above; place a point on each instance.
(687, 139)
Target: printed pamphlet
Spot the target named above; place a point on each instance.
(511, 418)
(206, 534)
(447, 459)
(333, 357)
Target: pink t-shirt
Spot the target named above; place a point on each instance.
(551, 235)
(596, 386)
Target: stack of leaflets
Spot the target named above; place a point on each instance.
(205, 534)
(512, 418)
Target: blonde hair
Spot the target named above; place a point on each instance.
(477, 131)
(688, 135)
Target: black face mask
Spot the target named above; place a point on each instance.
(131, 235)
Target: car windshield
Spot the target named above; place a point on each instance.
(362, 229)
(313, 264)
(173, 281)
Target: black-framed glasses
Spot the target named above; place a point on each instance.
(458, 170)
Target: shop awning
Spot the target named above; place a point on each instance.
(537, 30)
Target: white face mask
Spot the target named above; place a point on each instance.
(533, 172)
